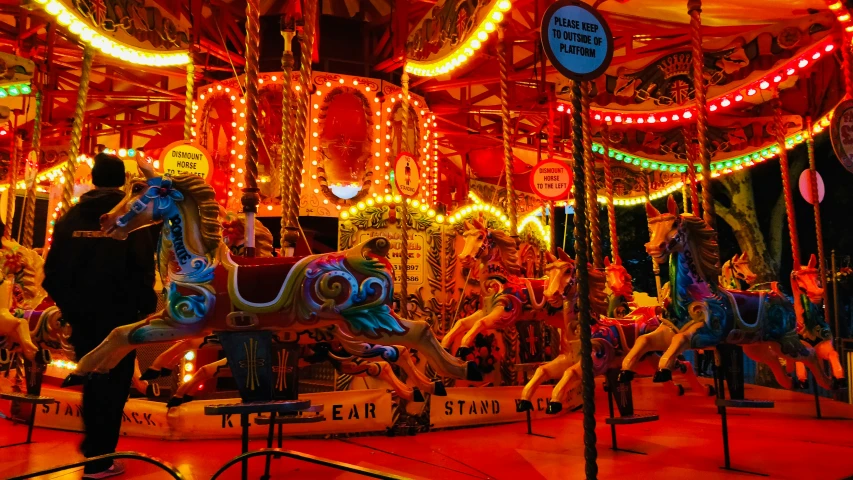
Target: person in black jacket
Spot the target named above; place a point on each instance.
(99, 284)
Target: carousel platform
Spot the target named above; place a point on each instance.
(785, 442)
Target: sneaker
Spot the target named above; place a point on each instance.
(117, 468)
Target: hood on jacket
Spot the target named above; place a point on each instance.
(95, 203)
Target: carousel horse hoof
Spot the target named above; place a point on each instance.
(711, 390)
(417, 396)
(463, 352)
(43, 357)
(72, 380)
(438, 389)
(176, 401)
(523, 405)
(473, 374)
(625, 376)
(553, 408)
(150, 374)
(662, 375)
(680, 389)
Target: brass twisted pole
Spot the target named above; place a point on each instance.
(13, 181)
(587, 378)
(250, 198)
(29, 212)
(76, 129)
(821, 253)
(503, 60)
(404, 225)
(779, 130)
(694, 8)
(289, 231)
(300, 137)
(188, 106)
(608, 190)
(591, 184)
(691, 169)
(847, 67)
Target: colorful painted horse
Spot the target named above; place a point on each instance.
(736, 273)
(212, 291)
(621, 288)
(493, 256)
(22, 272)
(811, 323)
(701, 315)
(611, 337)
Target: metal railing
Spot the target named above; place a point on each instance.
(276, 452)
(110, 456)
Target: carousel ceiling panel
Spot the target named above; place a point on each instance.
(715, 13)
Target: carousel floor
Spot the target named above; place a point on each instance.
(785, 442)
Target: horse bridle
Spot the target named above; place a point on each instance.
(159, 188)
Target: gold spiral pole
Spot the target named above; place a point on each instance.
(300, 137)
(847, 67)
(779, 130)
(17, 148)
(817, 220)
(289, 232)
(608, 191)
(404, 225)
(591, 184)
(188, 106)
(250, 198)
(76, 129)
(503, 60)
(590, 453)
(694, 8)
(29, 212)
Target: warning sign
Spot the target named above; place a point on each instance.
(182, 158)
(417, 254)
(551, 180)
(406, 174)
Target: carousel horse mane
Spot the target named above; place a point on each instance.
(705, 241)
(205, 198)
(31, 278)
(509, 250)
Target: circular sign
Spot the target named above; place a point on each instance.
(576, 39)
(182, 158)
(551, 180)
(841, 133)
(406, 174)
(806, 187)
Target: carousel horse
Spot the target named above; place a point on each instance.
(736, 274)
(811, 323)
(701, 315)
(611, 337)
(494, 256)
(212, 291)
(621, 288)
(351, 355)
(22, 270)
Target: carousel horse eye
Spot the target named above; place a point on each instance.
(137, 188)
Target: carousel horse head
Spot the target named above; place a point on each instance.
(618, 278)
(672, 232)
(560, 271)
(483, 243)
(806, 280)
(741, 269)
(808, 294)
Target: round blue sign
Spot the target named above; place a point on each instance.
(576, 39)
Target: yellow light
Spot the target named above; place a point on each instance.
(344, 215)
(188, 367)
(439, 218)
(189, 356)
(187, 377)
(398, 199)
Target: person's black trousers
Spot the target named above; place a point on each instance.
(104, 397)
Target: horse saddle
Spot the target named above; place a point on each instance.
(747, 307)
(260, 281)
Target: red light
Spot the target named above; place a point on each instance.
(3, 132)
(651, 119)
(618, 119)
(598, 116)
(829, 48)
(725, 103)
(675, 117)
(790, 71)
(629, 120)
(738, 97)
(606, 118)
(777, 79)
(712, 108)
(764, 84)
(687, 114)
(561, 108)
(802, 63)
(640, 120)
(663, 119)
(816, 56)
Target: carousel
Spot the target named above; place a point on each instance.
(494, 239)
